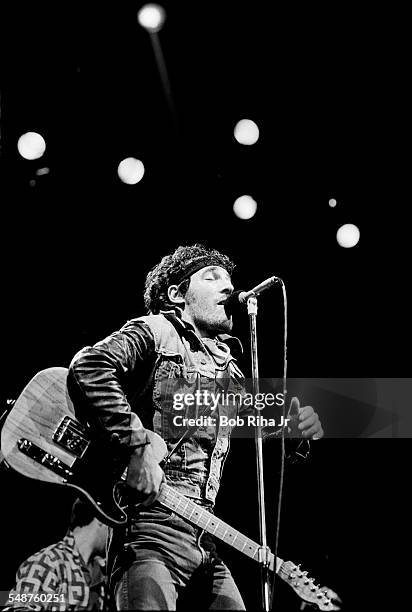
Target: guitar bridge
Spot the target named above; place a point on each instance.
(72, 436)
(41, 456)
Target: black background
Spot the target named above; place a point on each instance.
(327, 87)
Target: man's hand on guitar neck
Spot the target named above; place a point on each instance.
(144, 474)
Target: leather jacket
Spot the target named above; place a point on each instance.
(128, 382)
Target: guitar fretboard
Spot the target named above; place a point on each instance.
(204, 519)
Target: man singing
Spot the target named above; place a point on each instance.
(124, 386)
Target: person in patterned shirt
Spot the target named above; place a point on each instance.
(67, 575)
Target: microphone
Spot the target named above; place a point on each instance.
(241, 297)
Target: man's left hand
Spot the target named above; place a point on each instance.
(308, 420)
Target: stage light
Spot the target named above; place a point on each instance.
(130, 170)
(348, 235)
(31, 145)
(244, 207)
(332, 202)
(151, 17)
(246, 132)
(42, 171)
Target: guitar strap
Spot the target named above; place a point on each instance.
(176, 447)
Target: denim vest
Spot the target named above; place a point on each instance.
(184, 366)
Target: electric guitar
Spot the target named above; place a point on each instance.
(42, 439)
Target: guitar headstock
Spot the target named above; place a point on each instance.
(304, 586)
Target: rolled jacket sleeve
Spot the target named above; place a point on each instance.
(100, 376)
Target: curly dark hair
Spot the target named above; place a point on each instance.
(175, 269)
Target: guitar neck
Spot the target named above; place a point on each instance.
(204, 519)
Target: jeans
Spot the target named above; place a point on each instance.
(167, 564)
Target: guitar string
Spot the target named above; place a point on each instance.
(187, 508)
(221, 529)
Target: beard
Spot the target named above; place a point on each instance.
(223, 327)
(212, 321)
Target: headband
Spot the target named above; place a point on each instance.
(196, 265)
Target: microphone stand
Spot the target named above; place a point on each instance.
(264, 549)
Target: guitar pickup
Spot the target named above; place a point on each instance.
(42, 457)
(71, 436)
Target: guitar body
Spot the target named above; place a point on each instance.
(43, 403)
(42, 439)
